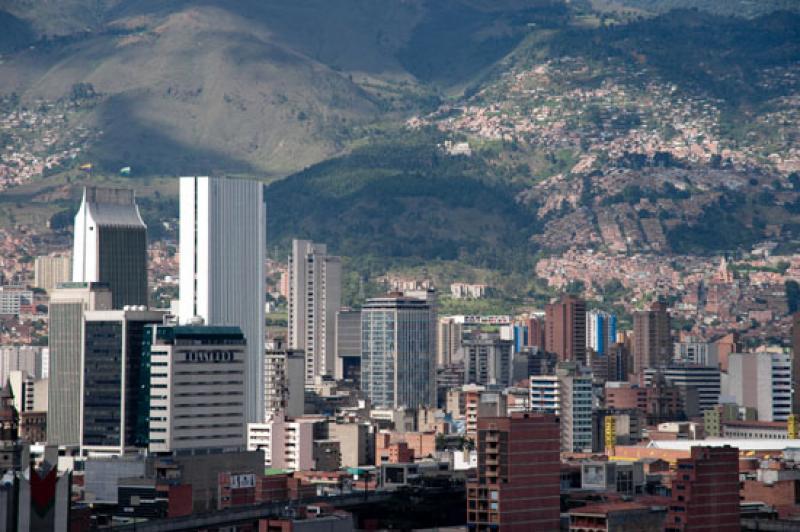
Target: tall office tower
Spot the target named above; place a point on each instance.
(398, 366)
(68, 303)
(197, 388)
(652, 340)
(315, 294)
(601, 331)
(284, 383)
(448, 341)
(537, 332)
(762, 381)
(50, 271)
(111, 245)
(222, 243)
(565, 325)
(487, 360)
(567, 394)
(114, 380)
(518, 482)
(704, 380)
(705, 491)
(348, 345)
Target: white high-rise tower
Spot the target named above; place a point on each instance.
(315, 294)
(110, 245)
(222, 252)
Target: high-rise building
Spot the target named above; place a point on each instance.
(537, 332)
(448, 342)
(222, 243)
(601, 331)
(565, 325)
(315, 293)
(348, 345)
(705, 491)
(111, 245)
(652, 340)
(762, 381)
(114, 383)
(694, 351)
(397, 353)
(518, 476)
(33, 360)
(50, 271)
(197, 388)
(284, 382)
(613, 366)
(487, 360)
(567, 394)
(68, 303)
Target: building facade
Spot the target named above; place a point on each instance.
(113, 383)
(222, 250)
(565, 328)
(68, 303)
(110, 245)
(315, 286)
(652, 340)
(50, 271)
(705, 491)
(518, 476)
(284, 380)
(762, 381)
(197, 388)
(397, 352)
(348, 345)
(487, 360)
(601, 331)
(567, 394)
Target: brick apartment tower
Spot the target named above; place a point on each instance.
(565, 326)
(518, 478)
(796, 363)
(652, 340)
(705, 492)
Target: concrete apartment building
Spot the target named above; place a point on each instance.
(487, 360)
(315, 286)
(762, 381)
(567, 394)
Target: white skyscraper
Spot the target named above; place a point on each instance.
(315, 293)
(110, 245)
(222, 243)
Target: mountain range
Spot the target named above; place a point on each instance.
(601, 124)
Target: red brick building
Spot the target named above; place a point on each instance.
(705, 492)
(518, 479)
(565, 328)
